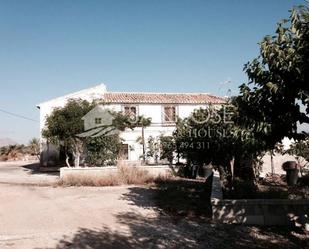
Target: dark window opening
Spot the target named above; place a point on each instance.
(169, 114)
(130, 111)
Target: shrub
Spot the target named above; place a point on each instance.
(103, 150)
(242, 189)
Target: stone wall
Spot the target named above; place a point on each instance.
(257, 211)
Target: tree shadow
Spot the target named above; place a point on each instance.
(34, 169)
(144, 232)
(185, 198)
(141, 197)
(159, 232)
(177, 223)
(180, 198)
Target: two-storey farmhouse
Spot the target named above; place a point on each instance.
(162, 108)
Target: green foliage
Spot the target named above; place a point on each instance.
(102, 150)
(217, 141)
(168, 147)
(143, 121)
(153, 147)
(64, 124)
(278, 82)
(300, 148)
(266, 111)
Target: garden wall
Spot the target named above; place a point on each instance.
(108, 170)
(257, 211)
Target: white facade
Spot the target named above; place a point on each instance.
(152, 110)
(149, 110)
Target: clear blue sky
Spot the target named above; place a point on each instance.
(50, 48)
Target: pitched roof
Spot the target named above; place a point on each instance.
(162, 98)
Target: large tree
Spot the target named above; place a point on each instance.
(270, 103)
(267, 109)
(64, 124)
(218, 140)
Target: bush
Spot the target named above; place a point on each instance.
(103, 150)
(241, 189)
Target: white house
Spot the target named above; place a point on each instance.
(162, 108)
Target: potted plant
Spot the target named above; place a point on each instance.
(292, 169)
(207, 170)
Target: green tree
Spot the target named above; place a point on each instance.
(269, 105)
(204, 139)
(64, 124)
(168, 147)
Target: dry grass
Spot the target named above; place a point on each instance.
(87, 180)
(123, 176)
(133, 175)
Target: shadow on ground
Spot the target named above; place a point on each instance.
(34, 169)
(179, 224)
(179, 198)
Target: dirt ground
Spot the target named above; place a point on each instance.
(39, 217)
(127, 217)
(20, 172)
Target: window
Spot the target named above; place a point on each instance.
(98, 120)
(130, 111)
(169, 115)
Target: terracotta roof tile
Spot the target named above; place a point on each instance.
(162, 98)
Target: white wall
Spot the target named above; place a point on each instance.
(156, 129)
(154, 111)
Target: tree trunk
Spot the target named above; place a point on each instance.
(232, 168)
(76, 155)
(67, 160)
(78, 148)
(272, 162)
(76, 159)
(143, 143)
